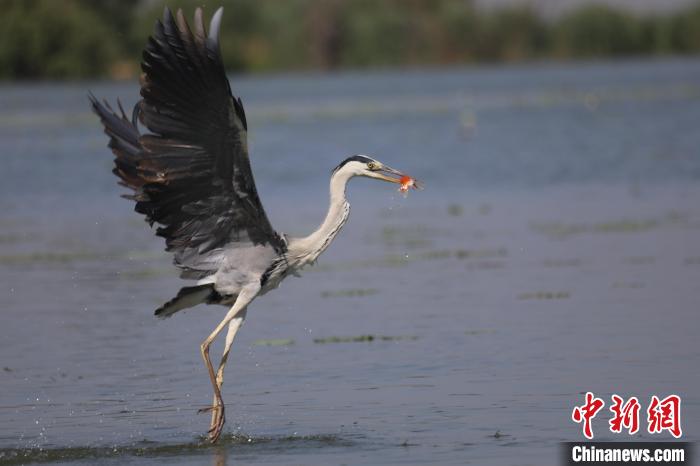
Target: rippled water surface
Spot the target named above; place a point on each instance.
(554, 251)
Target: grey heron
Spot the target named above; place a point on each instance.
(190, 174)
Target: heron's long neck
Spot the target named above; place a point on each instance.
(338, 212)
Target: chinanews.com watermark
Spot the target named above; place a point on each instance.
(660, 416)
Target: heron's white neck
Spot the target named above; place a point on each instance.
(310, 247)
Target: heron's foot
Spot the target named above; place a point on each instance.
(217, 417)
(217, 421)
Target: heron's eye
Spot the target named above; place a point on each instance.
(372, 166)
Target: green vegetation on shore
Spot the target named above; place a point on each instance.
(62, 39)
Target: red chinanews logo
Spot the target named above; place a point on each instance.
(662, 415)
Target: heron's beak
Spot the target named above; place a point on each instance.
(392, 176)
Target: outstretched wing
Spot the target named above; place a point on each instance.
(191, 173)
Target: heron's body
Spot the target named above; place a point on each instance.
(271, 267)
(243, 266)
(190, 174)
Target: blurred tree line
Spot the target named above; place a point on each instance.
(88, 38)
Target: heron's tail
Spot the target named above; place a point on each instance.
(187, 297)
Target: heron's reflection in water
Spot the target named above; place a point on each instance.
(220, 456)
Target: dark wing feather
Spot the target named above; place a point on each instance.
(191, 173)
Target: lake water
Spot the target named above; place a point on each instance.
(554, 251)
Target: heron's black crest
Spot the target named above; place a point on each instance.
(190, 172)
(354, 158)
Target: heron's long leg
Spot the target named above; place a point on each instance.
(233, 328)
(246, 295)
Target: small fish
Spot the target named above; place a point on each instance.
(408, 182)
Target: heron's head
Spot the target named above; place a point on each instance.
(362, 165)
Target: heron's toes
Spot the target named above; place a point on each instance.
(217, 425)
(217, 419)
(208, 409)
